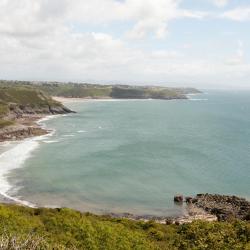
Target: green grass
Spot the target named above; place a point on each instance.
(19, 97)
(25, 96)
(69, 229)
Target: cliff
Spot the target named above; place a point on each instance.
(20, 107)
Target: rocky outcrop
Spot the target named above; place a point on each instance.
(60, 110)
(223, 206)
(20, 132)
(24, 119)
(178, 198)
(193, 213)
(17, 111)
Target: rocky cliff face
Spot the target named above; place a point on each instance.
(24, 118)
(17, 111)
(20, 132)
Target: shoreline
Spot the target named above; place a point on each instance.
(66, 100)
(27, 142)
(80, 99)
(196, 207)
(26, 127)
(203, 207)
(194, 211)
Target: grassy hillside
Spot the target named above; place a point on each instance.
(25, 96)
(69, 229)
(76, 90)
(17, 100)
(105, 91)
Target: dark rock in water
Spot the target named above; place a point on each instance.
(178, 198)
(189, 199)
(223, 206)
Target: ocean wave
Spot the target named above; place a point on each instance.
(47, 118)
(14, 159)
(198, 99)
(51, 141)
(18, 200)
(81, 131)
(116, 100)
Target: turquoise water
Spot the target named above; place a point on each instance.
(135, 155)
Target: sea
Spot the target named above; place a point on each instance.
(133, 156)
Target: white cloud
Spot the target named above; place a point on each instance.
(238, 58)
(67, 56)
(237, 14)
(147, 15)
(220, 3)
(28, 17)
(38, 42)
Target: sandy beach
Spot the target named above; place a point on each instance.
(66, 100)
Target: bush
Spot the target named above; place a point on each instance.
(68, 229)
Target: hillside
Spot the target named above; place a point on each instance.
(68, 229)
(105, 91)
(24, 100)
(20, 107)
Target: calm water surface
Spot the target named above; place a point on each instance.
(135, 155)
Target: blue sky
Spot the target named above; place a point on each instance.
(201, 43)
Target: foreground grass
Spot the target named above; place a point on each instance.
(68, 229)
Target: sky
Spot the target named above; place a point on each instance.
(197, 43)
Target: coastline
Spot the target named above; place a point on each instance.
(193, 212)
(22, 149)
(29, 144)
(66, 100)
(26, 127)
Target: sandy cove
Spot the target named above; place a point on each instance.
(202, 207)
(66, 100)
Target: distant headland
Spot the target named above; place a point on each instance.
(22, 103)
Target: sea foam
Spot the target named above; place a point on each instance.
(15, 158)
(197, 99)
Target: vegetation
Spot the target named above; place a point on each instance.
(69, 229)
(19, 99)
(23, 95)
(104, 91)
